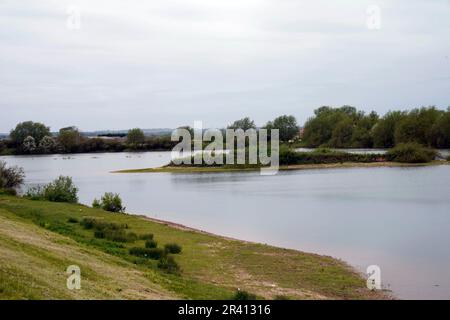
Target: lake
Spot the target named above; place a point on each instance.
(396, 218)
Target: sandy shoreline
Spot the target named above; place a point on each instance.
(383, 294)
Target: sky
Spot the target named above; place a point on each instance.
(108, 64)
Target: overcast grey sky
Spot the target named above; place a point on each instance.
(165, 63)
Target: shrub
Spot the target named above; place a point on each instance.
(172, 248)
(88, 223)
(410, 153)
(72, 220)
(110, 231)
(115, 235)
(149, 253)
(323, 156)
(109, 202)
(61, 189)
(120, 236)
(168, 264)
(100, 225)
(151, 243)
(146, 236)
(243, 295)
(11, 177)
(35, 193)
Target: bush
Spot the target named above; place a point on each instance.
(61, 189)
(325, 156)
(146, 236)
(168, 264)
(148, 253)
(172, 248)
(120, 235)
(110, 202)
(110, 231)
(11, 177)
(88, 223)
(35, 193)
(243, 295)
(151, 243)
(72, 220)
(100, 225)
(410, 153)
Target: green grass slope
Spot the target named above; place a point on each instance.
(38, 243)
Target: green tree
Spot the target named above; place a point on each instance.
(318, 130)
(342, 134)
(287, 126)
(383, 133)
(417, 126)
(69, 139)
(362, 137)
(29, 129)
(135, 137)
(244, 124)
(440, 135)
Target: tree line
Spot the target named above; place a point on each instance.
(35, 138)
(342, 127)
(346, 127)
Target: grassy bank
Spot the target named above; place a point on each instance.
(39, 240)
(404, 155)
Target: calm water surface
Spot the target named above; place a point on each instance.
(397, 218)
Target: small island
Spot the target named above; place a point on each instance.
(404, 155)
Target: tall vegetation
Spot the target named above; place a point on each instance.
(342, 127)
(69, 139)
(287, 126)
(37, 131)
(325, 156)
(109, 202)
(61, 189)
(135, 138)
(35, 138)
(244, 124)
(383, 132)
(346, 127)
(411, 152)
(10, 177)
